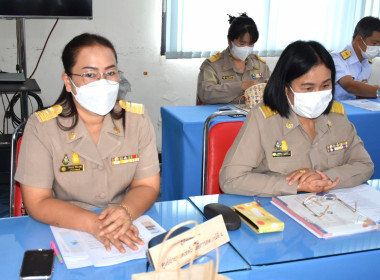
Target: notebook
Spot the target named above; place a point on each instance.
(337, 213)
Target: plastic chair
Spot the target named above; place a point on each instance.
(216, 142)
(16, 207)
(198, 101)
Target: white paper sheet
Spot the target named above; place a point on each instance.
(369, 200)
(325, 217)
(364, 104)
(80, 249)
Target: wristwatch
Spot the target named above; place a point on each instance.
(378, 92)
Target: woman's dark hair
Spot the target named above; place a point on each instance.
(366, 26)
(240, 25)
(69, 58)
(296, 60)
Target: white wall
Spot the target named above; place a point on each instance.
(375, 75)
(134, 27)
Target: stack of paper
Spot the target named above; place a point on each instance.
(364, 104)
(355, 210)
(80, 249)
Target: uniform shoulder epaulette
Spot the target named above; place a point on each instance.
(49, 113)
(215, 57)
(337, 108)
(132, 107)
(370, 61)
(260, 58)
(267, 111)
(345, 54)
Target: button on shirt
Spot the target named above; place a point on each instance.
(360, 71)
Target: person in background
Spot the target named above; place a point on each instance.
(299, 140)
(90, 151)
(353, 64)
(224, 77)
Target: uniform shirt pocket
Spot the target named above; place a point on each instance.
(280, 165)
(335, 158)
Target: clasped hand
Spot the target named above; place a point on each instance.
(310, 180)
(115, 227)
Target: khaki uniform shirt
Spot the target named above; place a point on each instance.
(219, 81)
(254, 166)
(45, 148)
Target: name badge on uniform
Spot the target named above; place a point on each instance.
(337, 146)
(228, 77)
(71, 168)
(281, 149)
(125, 159)
(74, 167)
(257, 76)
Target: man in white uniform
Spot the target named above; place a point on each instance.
(353, 64)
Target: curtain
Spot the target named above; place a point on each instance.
(198, 28)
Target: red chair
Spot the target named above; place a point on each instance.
(198, 101)
(16, 207)
(216, 142)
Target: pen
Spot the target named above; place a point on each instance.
(56, 252)
(256, 199)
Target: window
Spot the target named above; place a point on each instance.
(198, 28)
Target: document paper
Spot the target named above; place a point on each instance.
(80, 249)
(366, 198)
(364, 104)
(338, 218)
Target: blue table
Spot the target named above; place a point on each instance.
(296, 253)
(367, 125)
(182, 132)
(24, 233)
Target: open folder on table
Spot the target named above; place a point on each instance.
(80, 249)
(337, 213)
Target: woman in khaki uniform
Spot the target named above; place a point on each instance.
(299, 139)
(224, 77)
(89, 151)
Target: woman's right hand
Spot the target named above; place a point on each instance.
(42, 206)
(129, 238)
(310, 180)
(322, 184)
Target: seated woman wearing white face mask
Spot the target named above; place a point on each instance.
(90, 151)
(224, 77)
(299, 139)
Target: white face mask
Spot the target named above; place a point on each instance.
(371, 52)
(241, 52)
(98, 97)
(310, 104)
